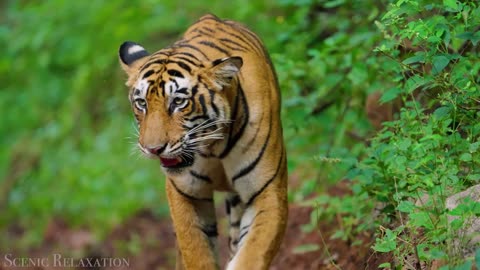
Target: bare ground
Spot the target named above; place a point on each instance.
(148, 243)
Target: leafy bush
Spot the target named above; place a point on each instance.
(431, 151)
(326, 70)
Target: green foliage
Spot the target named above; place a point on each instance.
(65, 110)
(306, 248)
(322, 56)
(387, 243)
(477, 258)
(431, 151)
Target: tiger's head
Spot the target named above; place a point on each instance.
(180, 103)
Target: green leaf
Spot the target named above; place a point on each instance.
(466, 157)
(385, 246)
(390, 94)
(465, 266)
(306, 248)
(421, 219)
(404, 144)
(387, 243)
(406, 206)
(477, 258)
(436, 252)
(441, 112)
(456, 224)
(476, 38)
(451, 4)
(434, 39)
(473, 147)
(419, 58)
(334, 3)
(385, 265)
(460, 210)
(415, 82)
(473, 177)
(465, 35)
(439, 63)
(358, 74)
(473, 37)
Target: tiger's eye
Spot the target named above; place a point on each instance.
(141, 103)
(178, 101)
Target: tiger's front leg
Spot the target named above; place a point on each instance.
(262, 225)
(195, 228)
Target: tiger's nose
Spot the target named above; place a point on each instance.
(157, 150)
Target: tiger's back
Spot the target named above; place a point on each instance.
(209, 109)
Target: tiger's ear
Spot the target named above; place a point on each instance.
(132, 56)
(224, 69)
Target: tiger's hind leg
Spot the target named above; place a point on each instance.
(235, 209)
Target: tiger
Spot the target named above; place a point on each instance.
(208, 108)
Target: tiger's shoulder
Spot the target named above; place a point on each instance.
(211, 37)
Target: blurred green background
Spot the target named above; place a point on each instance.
(67, 132)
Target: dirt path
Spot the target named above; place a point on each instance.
(148, 243)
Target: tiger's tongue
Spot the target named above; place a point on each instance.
(169, 162)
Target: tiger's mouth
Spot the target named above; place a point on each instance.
(176, 162)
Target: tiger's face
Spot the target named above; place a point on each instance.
(181, 109)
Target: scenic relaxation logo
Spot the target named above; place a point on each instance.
(57, 260)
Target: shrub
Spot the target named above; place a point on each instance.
(431, 151)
